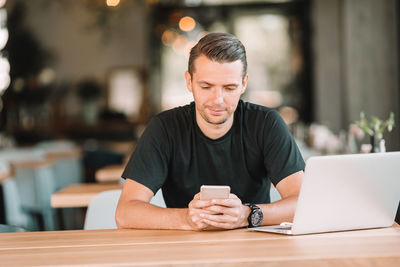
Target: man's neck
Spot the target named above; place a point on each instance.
(213, 131)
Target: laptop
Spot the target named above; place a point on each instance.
(345, 192)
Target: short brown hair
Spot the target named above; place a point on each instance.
(220, 47)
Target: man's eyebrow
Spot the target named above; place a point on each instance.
(231, 84)
(205, 82)
(225, 85)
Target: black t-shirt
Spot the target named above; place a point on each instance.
(175, 155)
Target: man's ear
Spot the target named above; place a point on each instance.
(188, 78)
(244, 83)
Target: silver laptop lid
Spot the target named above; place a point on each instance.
(347, 192)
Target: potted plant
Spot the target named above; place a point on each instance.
(375, 127)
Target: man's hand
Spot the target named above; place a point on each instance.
(196, 209)
(218, 213)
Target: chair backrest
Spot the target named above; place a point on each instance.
(158, 200)
(68, 165)
(34, 184)
(14, 214)
(101, 210)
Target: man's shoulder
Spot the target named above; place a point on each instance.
(251, 110)
(173, 113)
(180, 116)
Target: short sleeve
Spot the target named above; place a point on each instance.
(282, 157)
(148, 164)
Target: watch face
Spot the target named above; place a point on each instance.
(256, 218)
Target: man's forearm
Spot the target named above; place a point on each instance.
(279, 211)
(142, 215)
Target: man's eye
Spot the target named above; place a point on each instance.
(230, 88)
(205, 87)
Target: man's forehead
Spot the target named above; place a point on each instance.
(203, 59)
(204, 67)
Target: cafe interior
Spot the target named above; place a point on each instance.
(80, 80)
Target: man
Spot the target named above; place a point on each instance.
(217, 140)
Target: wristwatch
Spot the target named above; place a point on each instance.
(256, 216)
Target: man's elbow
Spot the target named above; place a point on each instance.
(120, 219)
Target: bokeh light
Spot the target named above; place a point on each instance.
(179, 44)
(187, 24)
(4, 74)
(112, 3)
(4, 81)
(3, 38)
(169, 36)
(47, 76)
(289, 114)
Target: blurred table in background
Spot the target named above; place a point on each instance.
(4, 175)
(79, 195)
(110, 173)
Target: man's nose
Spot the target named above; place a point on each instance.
(218, 95)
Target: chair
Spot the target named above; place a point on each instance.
(31, 189)
(4, 228)
(14, 214)
(68, 165)
(35, 185)
(274, 194)
(68, 169)
(101, 211)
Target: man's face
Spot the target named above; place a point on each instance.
(216, 89)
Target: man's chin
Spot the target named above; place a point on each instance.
(216, 121)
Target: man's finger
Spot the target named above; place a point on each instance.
(219, 218)
(227, 202)
(200, 204)
(219, 224)
(223, 210)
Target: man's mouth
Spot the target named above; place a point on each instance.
(216, 110)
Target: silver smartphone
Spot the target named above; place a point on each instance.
(214, 191)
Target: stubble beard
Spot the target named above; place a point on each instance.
(215, 121)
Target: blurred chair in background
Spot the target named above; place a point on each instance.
(38, 172)
(101, 211)
(30, 189)
(14, 214)
(68, 165)
(68, 169)
(4, 228)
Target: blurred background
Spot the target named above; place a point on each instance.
(90, 74)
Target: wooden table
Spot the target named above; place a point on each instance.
(75, 152)
(110, 173)
(378, 247)
(79, 195)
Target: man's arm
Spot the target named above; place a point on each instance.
(284, 209)
(234, 213)
(135, 211)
